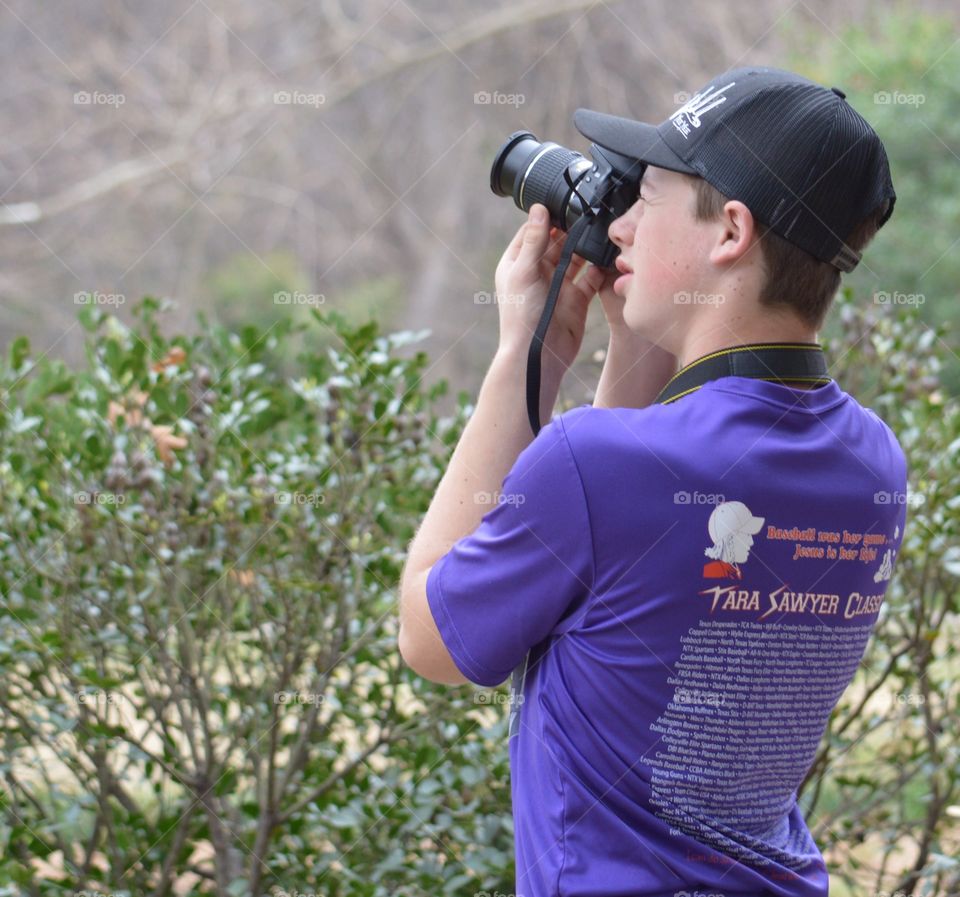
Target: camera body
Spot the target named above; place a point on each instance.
(569, 185)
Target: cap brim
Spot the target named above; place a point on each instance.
(629, 138)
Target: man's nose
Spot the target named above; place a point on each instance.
(620, 231)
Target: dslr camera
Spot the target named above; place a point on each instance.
(570, 186)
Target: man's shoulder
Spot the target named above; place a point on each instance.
(602, 433)
(882, 426)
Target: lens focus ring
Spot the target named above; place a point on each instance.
(543, 176)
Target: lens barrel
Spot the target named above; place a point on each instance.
(533, 172)
(569, 185)
(511, 160)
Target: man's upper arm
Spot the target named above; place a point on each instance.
(527, 566)
(420, 642)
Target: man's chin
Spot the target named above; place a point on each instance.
(642, 325)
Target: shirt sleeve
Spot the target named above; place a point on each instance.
(527, 567)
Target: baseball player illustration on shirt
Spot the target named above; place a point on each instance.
(732, 528)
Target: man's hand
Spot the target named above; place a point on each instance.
(523, 280)
(612, 305)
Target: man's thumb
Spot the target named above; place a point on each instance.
(538, 228)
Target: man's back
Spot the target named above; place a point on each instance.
(711, 571)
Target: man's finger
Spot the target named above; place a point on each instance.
(513, 250)
(576, 265)
(557, 240)
(593, 278)
(535, 237)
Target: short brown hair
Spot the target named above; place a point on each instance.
(795, 278)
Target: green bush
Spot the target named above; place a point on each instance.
(882, 797)
(202, 692)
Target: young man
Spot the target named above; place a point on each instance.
(684, 576)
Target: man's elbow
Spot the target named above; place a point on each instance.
(419, 641)
(406, 649)
(426, 663)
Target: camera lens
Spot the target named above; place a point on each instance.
(533, 172)
(507, 166)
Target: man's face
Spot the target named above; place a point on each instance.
(666, 251)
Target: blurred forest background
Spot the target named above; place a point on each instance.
(203, 518)
(187, 175)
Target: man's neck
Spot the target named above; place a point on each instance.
(713, 337)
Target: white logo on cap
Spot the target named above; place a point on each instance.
(689, 114)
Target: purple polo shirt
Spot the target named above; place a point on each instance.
(682, 592)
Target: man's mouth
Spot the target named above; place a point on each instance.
(625, 272)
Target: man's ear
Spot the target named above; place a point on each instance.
(736, 234)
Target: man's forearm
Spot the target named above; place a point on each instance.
(496, 433)
(498, 430)
(634, 372)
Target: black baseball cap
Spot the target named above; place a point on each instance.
(795, 153)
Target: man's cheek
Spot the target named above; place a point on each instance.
(660, 276)
(649, 298)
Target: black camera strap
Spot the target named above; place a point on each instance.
(780, 362)
(787, 363)
(536, 345)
